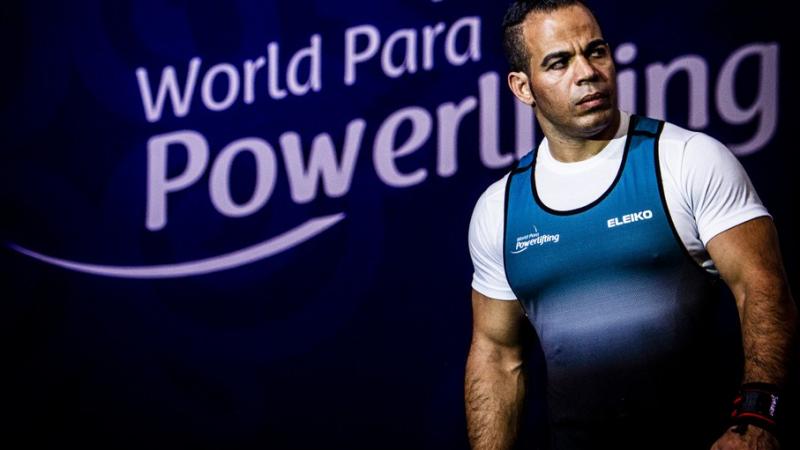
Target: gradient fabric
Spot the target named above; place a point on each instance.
(627, 320)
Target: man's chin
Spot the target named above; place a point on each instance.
(597, 123)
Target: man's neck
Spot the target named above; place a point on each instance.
(569, 149)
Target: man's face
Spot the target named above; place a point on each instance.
(572, 76)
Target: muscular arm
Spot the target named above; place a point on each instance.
(494, 385)
(749, 260)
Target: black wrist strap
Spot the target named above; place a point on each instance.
(757, 404)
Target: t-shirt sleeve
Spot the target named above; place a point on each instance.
(720, 192)
(486, 244)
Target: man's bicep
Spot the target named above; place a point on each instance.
(748, 255)
(497, 322)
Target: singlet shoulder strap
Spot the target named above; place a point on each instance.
(525, 163)
(645, 126)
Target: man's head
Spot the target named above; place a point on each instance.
(513, 42)
(561, 65)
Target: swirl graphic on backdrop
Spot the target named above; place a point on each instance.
(247, 255)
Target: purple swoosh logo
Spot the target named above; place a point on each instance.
(247, 255)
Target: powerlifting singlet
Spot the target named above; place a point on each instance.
(631, 327)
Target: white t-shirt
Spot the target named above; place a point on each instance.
(706, 188)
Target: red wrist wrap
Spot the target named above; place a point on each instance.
(757, 404)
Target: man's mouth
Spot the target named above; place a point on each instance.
(591, 97)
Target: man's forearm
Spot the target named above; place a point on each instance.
(494, 396)
(769, 327)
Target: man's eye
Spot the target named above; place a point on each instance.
(557, 65)
(599, 51)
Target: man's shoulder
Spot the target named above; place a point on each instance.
(676, 140)
(496, 191)
(676, 135)
(491, 203)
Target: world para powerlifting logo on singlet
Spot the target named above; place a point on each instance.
(531, 239)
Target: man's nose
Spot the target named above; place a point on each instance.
(585, 70)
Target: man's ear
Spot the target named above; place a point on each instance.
(520, 86)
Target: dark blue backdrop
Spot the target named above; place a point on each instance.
(355, 337)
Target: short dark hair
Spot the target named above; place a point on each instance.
(513, 42)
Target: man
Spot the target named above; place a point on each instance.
(611, 236)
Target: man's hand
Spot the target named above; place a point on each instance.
(754, 438)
